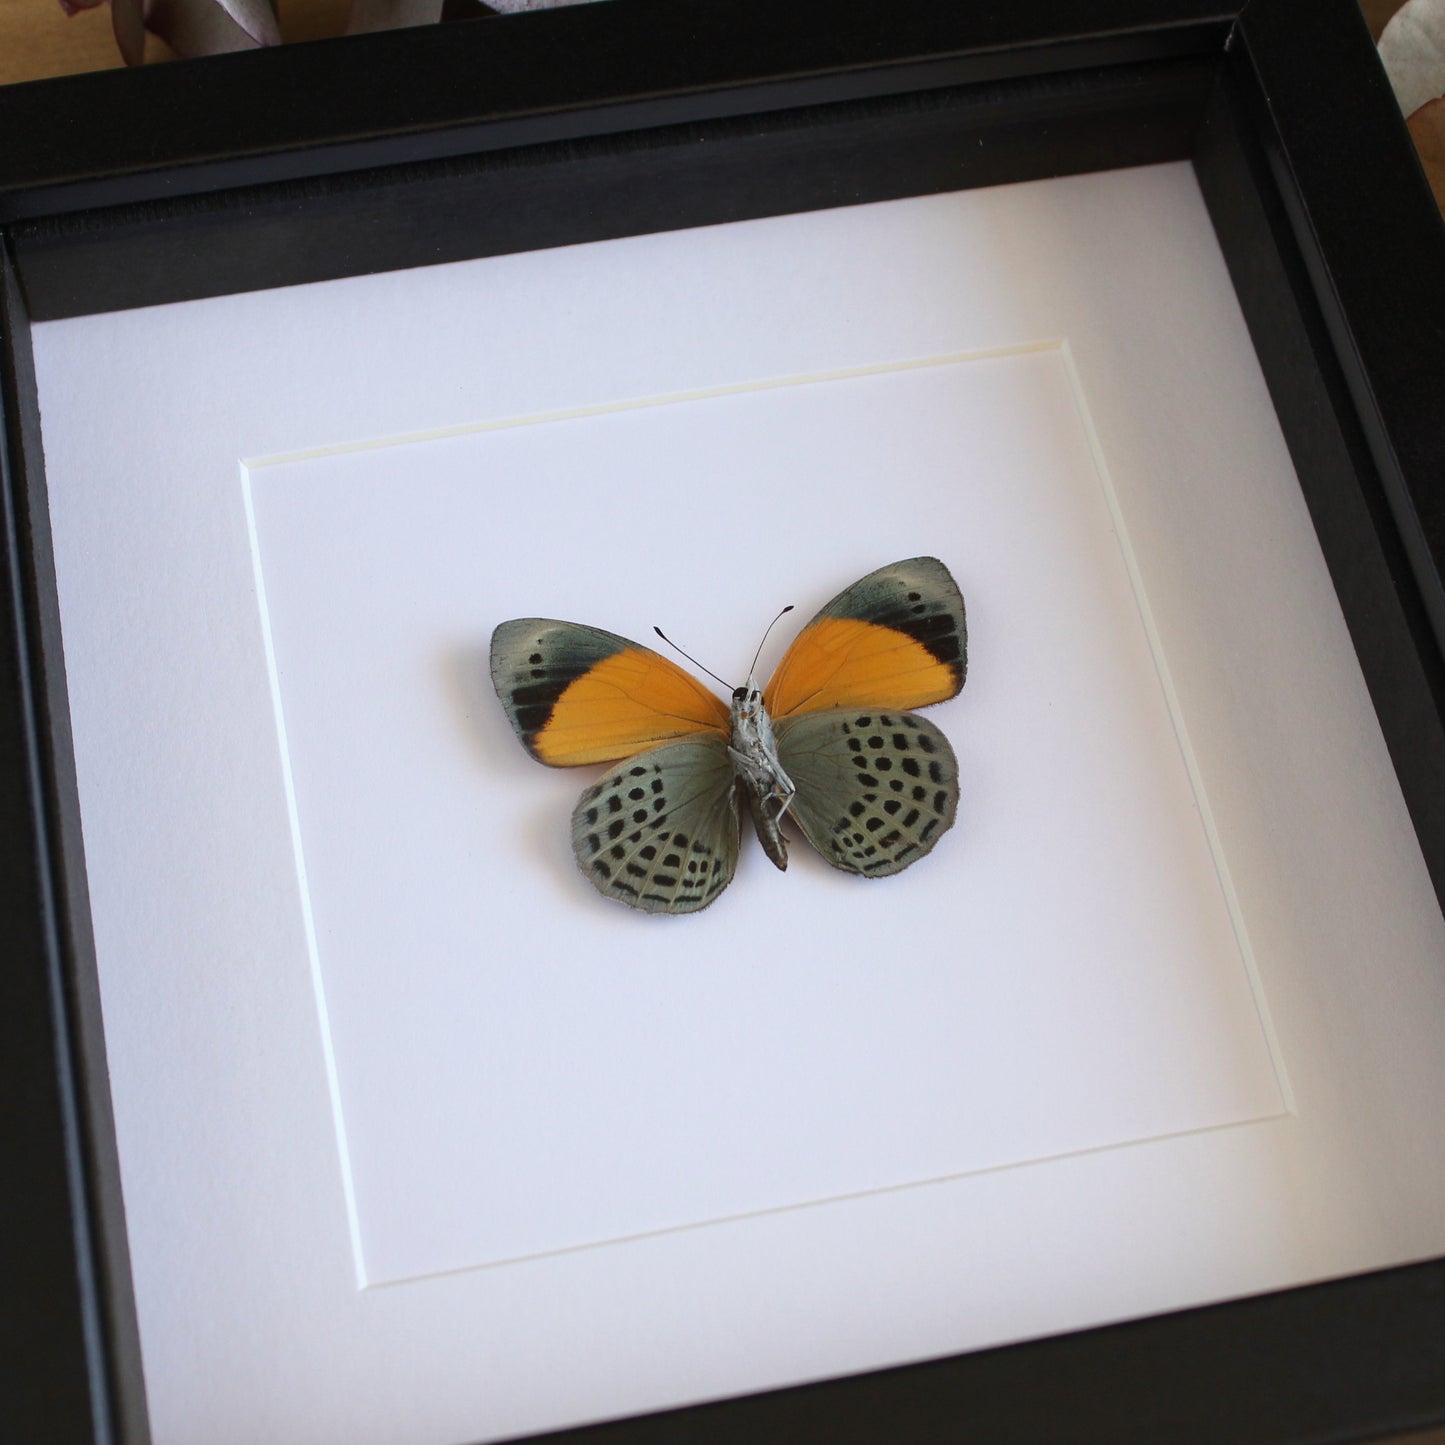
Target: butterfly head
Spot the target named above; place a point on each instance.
(752, 728)
(749, 715)
(749, 696)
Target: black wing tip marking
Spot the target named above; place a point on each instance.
(919, 598)
(533, 662)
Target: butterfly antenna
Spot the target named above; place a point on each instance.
(770, 627)
(691, 658)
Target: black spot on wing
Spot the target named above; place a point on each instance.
(939, 631)
(681, 858)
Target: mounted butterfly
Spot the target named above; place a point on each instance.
(829, 742)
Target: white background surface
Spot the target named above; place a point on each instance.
(253, 1324)
(1061, 974)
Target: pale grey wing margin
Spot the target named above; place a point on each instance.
(660, 831)
(876, 790)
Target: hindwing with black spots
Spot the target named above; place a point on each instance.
(876, 790)
(660, 831)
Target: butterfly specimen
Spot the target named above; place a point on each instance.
(829, 743)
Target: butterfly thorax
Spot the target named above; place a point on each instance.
(754, 751)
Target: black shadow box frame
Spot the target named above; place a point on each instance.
(402, 149)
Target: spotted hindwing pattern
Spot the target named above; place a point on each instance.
(660, 831)
(876, 790)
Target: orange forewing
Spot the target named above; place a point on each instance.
(629, 701)
(846, 662)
